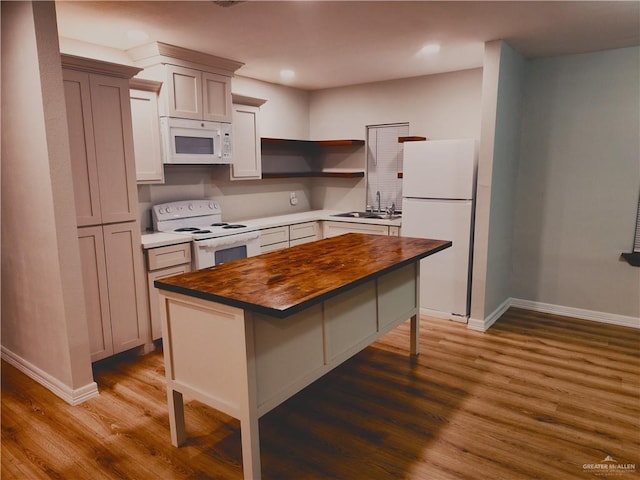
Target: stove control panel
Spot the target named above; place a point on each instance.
(185, 209)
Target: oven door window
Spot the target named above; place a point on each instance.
(230, 254)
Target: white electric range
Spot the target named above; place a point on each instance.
(213, 241)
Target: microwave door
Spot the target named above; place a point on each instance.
(189, 146)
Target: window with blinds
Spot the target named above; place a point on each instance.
(384, 162)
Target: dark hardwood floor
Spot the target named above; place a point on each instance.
(535, 397)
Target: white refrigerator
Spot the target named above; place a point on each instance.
(438, 188)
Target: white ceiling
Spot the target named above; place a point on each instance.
(336, 43)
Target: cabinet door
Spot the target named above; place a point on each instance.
(127, 287)
(216, 97)
(247, 161)
(154, 297)
(147, 145)
(83, 151)
(114, 148)
(184, 92)
(96, 292)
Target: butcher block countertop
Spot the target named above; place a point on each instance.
(287, 281)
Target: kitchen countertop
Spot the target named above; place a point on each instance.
(313, 216)
(287, 281)
(160, 239)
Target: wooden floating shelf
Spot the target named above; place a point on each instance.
(311, 143)
(413, 138)
(313, 175)
(310, 147)
(338, 143)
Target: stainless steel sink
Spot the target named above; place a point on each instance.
(379, 216)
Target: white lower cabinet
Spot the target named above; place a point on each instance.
(163, 262)
(303, 233)
(332, 229)
(114, 287)
(277, 238)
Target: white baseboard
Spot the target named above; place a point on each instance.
(70, 395)
(482, 325)
(602, 317)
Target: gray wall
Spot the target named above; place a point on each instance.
(44, 324)
(436, 106)
(502, 89)
(578, 183)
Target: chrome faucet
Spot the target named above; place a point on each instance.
(392, 209)
(378, 200)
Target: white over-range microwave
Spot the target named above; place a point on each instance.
(195, 141)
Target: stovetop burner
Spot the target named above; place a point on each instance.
(186, 229)
(235, 225)
(219, 224)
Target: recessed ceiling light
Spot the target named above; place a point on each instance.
(137, 36)
(429, 49)
(287, 75)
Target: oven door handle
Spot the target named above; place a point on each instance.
(227, 240)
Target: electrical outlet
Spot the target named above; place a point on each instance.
(293, 200)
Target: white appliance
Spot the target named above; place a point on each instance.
(214, 242)
(195, 141)
(439, 184)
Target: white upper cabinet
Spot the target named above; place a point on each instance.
(247, 150)
(101, 142)
(147, 143)
(183, 93)
(216, 97)
(195, 85)
(197, 95)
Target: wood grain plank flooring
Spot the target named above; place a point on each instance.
(535, 397)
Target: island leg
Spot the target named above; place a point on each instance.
(249, 432)
(176, 417)
(249, 427)
(414, 340)
(415, 335)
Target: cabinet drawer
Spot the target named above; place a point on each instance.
(300, 241)
(332, 229)
(168, 256)
(273, 247)
(269, 236)
(302, 230)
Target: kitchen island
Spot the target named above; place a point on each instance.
(243, 337)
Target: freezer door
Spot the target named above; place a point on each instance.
(444, 277)
(439, 169)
